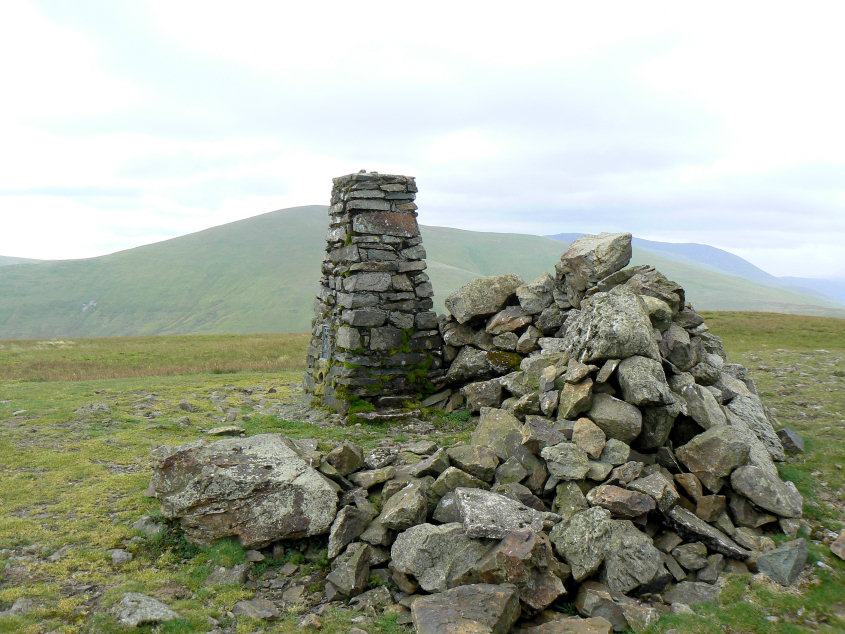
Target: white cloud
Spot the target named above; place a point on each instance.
(146, 120)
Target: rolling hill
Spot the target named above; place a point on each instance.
(261, 274)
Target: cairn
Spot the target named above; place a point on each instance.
(618, 462)
(374, 335)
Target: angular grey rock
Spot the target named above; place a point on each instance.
(372, 477)
(691, 556)
(446, 511)
(437, 556)
(537, 434)
(524, 558)
(478, 608)
(476, 460)
(618, 419)
(471, 364)
(659, 312)
(566, 461)
(457, 335)
(767, 491)
(657, 425)
(575, 399)
(615, 452)
(599, 470)
(346, 457)
(348, 525)
(591, 258)
(508, 319)
(482, 394)
(351, 572)
(612, 325)
(568, 500)
(607, 370)
(452, 478)
(631, 559)
(405, 508)
(750, 410)
(255, 489)
(791, 440)
(758, 455)
(119, 556)
(536, 295)
(494, 427)
(691, 592)
(589, 437)
(596, 601)
(223, 576)
(677, 348)
(136, 609)
(714, 454)
(659, 488)
(702, 406)
(256, 608)
(148, 527)
(643, 382)
(482, 296)
(490, 515)
(693, 528)
(620, 502)
(550, 320)
(584, 541)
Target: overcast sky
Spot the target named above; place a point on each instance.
(124, 123)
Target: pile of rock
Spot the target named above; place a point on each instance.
(618, 462)
(374, 331)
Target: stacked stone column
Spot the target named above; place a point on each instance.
(374, 335)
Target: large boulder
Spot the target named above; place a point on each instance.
(591, 258)
(437, 556)
(611, 325)
(478, 609)
(257, 490)
(482, 296)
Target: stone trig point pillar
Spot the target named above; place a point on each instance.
(374, 335)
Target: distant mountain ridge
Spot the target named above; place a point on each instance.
(261, 275)
(721, 260)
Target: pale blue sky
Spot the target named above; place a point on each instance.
(129, 122)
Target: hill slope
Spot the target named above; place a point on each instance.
(261, 274)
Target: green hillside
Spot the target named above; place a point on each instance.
(261, 274)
